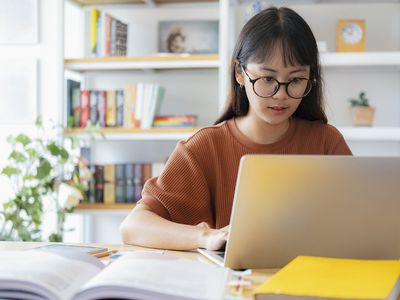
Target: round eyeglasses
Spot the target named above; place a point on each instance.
(266, 87)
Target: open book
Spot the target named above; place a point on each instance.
(38, 274)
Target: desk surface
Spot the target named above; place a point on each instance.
(256, 278)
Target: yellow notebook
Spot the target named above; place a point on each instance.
(333, 278)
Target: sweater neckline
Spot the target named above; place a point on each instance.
(248, 143)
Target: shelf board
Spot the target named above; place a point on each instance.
(354, 59)
(102, 2)
(102, 206)
(172, 134)
(179, 61)
(391, 134)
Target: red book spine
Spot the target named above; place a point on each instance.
(85, 107)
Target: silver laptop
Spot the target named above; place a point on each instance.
(334, 206)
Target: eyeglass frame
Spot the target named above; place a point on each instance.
(286, 84)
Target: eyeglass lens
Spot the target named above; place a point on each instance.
(267, 87)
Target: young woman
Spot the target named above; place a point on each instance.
(274, 107)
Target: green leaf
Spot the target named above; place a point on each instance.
(11, 139)
(23, 139)
(17, 156)
(53, 149)
(10, 171)
(38, 121)
(64, 154)
(32, 153)
(44, 168)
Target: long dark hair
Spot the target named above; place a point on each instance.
(256, 42)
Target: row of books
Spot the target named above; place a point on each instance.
(133, 107)
(120, 183)
(108, 35)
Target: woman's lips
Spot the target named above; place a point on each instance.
(278, 108)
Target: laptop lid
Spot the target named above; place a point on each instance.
(334, 206)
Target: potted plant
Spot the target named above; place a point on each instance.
(42, 169)
(362, 112)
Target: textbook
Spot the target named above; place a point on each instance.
(333, 278)
(73, 275)
(95, 251)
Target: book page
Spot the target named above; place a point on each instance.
(153, 275)
(49, 275)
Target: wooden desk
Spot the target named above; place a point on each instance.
(257, 277)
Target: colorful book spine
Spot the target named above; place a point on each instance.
(99, 182)
(120, 107)
(85, 108)
(111, 114)
(119, 183)
(129, 183)
(138, 181)
(109, 184)
(94, 16)
(102, 105)
(73, 95)
(93, 107)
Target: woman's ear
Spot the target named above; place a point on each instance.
(239, 74)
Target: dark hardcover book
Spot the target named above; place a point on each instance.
(119, 183)
(120, 107)
(99, 180)
(92, 185)
(85, 107)
(138, 181)
(101, 107)
(73, 90)
(129, 183)
(93, 107)
(121, 38)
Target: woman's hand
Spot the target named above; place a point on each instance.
(213, 239)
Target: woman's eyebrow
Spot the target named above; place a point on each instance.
(299, 70)
(276, 71)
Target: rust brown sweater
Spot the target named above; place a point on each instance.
(198, 181)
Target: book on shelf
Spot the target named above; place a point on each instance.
(108, 35)
(120, 183)
(109, 184)
(333, 278)
(129, 105)
(99, 184)
(102, 107)
(135, 106)
(111, 111)
(93, 107)
(129, 183)
(120, 107)
(70, 275)
(84, 108)
(175, 121)
(73, 95)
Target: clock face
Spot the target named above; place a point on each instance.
(352, 33)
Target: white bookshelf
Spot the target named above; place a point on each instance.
(359, 59)
(155, 62)
(391, 134)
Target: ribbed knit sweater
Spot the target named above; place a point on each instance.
(198, 181)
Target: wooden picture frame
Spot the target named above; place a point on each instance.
(350, 35)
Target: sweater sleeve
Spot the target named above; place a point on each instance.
(337, 144)
(180, 193)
